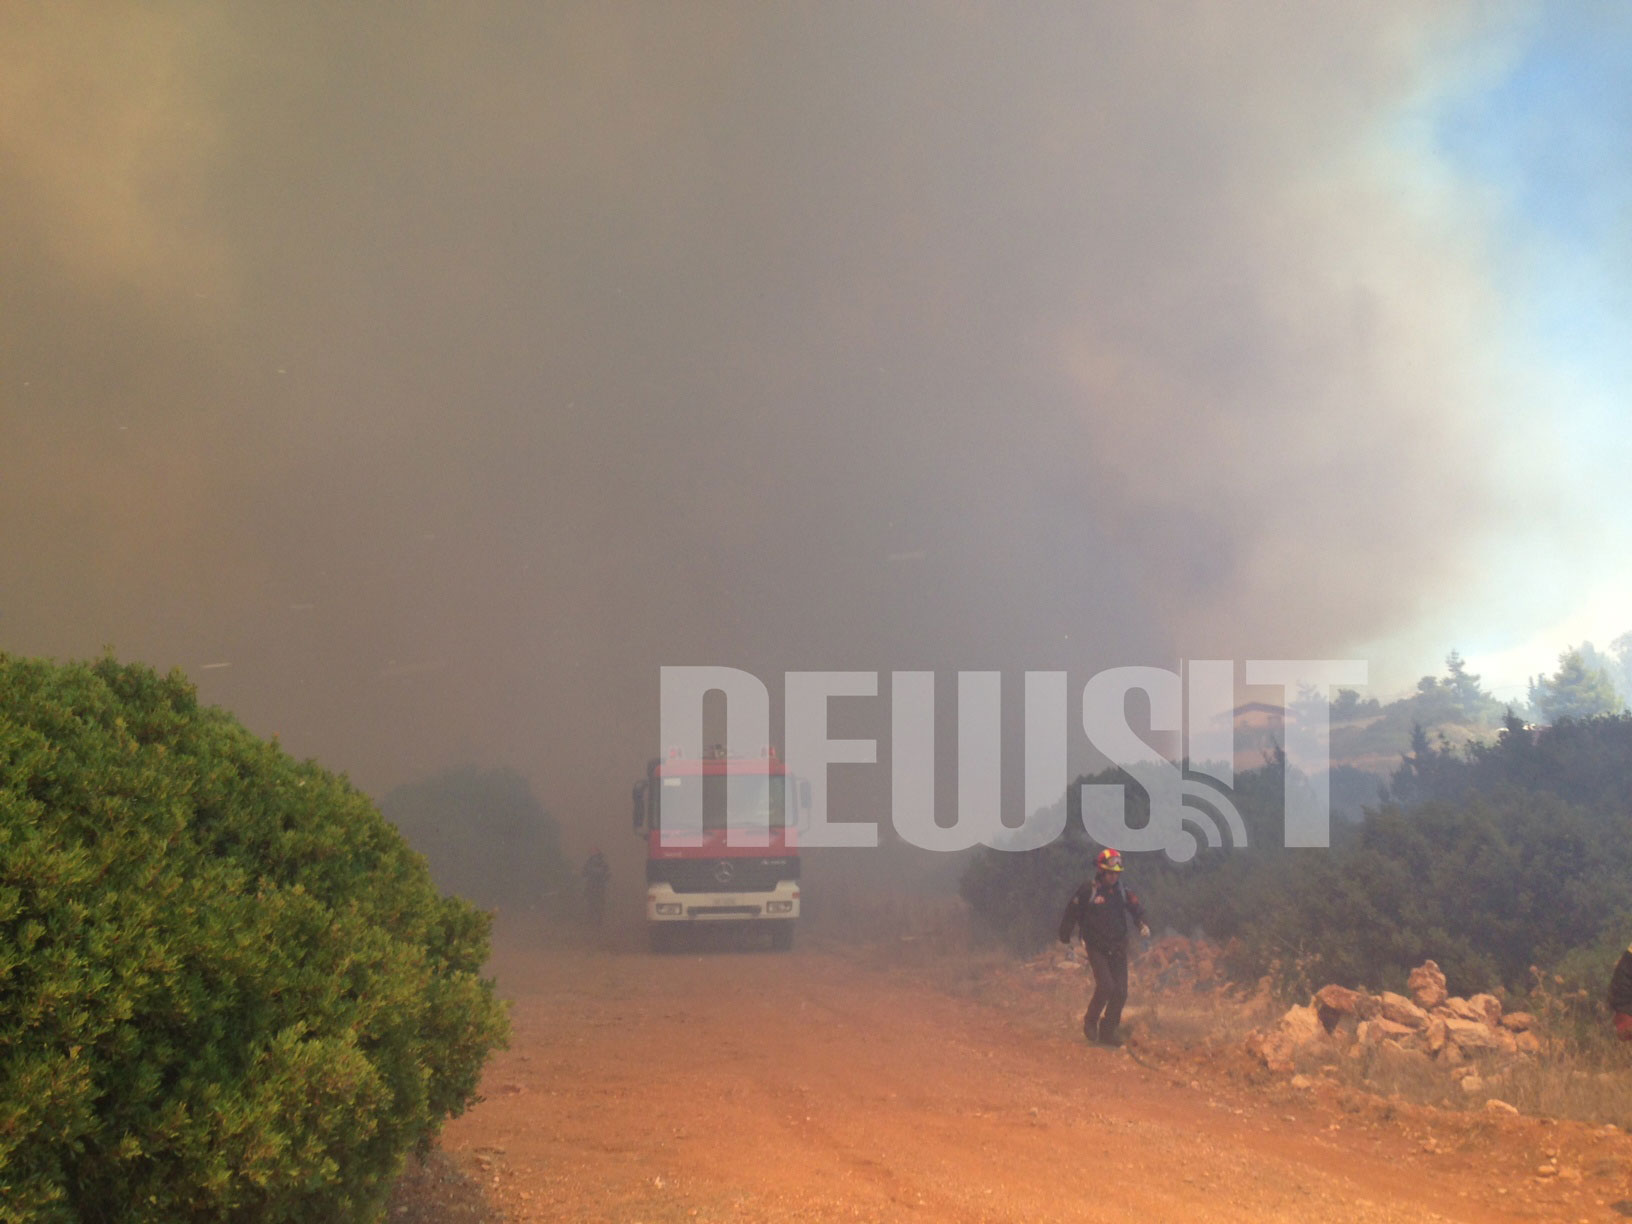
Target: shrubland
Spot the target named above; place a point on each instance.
(228, 988)
(1490, 859)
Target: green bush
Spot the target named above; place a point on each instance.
(228, 989)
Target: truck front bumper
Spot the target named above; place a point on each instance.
(663, 904)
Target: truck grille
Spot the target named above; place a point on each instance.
(737, 875)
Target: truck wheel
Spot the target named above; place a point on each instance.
(782, 936)
(662, 939)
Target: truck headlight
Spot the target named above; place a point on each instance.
(669, 908)
(778, 907)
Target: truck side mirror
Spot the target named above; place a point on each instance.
(640, 806)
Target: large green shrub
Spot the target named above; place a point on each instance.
(228, 989)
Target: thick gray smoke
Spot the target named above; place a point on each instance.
(445, 371)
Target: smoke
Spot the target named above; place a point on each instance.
(446, 372)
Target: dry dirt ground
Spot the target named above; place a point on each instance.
(818, 1085)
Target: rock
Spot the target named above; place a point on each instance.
(1490, 1006)
(1471, 1034)
(1343, 1034)
(1461, 1009)
(1401, 1010)
(1298, 1029)
(1500, 1107)
(1333, 1003)
(1527, 1043)
(1451, 1055)
(1519, 1022)
(1301, 1024)
(1383, 1028)
(1472, 1084)
(1067, 964)
(1302, 1081)
(1338, 998)
(1435, 1035)
(1427, 985)
(1547, 1170)
(1506, 1042)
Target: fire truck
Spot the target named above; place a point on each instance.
(756, 886)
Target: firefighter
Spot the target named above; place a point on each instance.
(1620, 996)
(596, 874)
(1100, 910)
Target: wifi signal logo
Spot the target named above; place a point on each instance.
(1186, 807)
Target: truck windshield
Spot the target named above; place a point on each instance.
(750, 798)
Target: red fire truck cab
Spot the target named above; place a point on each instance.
(755, 885)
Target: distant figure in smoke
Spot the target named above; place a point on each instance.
(1101, 909)
(596, 875)
(1620, 996)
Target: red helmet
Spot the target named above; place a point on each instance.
(1109, 860)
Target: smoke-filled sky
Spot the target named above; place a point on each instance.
(421, 378)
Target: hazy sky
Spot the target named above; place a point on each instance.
(442, 371)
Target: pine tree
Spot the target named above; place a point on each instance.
(1575, 690)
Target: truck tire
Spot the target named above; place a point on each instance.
(781, 936)
(662, 938)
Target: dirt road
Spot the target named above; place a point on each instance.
(808, 1086)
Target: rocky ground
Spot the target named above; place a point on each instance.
(1463, 1036)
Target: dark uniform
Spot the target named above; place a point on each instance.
(1620, 996)
(1100, 910)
